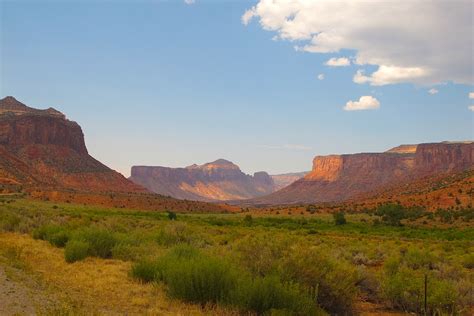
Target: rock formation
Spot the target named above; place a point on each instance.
(42, 149)
(285, 179)
(218, 180)
(340, 177)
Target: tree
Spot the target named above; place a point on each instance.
(339, 218)
(392, 214)
(172, 216)
(248, 220)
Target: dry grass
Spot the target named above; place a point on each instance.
(97, 286)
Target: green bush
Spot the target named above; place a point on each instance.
(403, 287)
(260, 254)
(56, 235)
(59, 239)
(9, 222)
(417, 259)
(194, 277)
(148, 270)
(126, 252)
(76, 250)
(145, 270)
(200, 280)
(174, 233)
(248, 220)
(392, 214)
(172, 216)
(270, 294)
(334, 281)
(101, 242)
(339, 218)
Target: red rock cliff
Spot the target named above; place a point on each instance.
(340, 177)
(218, 180)
(43, 149)
(19, 131)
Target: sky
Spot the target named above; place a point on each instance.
(267, 85)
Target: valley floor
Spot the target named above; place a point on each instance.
(36, 279)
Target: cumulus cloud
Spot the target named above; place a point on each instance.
(471, 108)
(471, 95)
(338, 62)
(365, 102)
(433, 91)
(321, 76)
(417, 41)
(189, 1)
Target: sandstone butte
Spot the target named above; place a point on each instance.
(218, 180)
(44, 149)
(336, 178)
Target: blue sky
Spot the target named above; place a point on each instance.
(170, 84)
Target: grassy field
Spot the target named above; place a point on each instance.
(90, 260)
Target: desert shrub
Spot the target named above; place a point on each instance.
(417, 259)
(76, 250)
(172, 216)
(125, 251)
(264, 294)
(339, 218)
(59, 239)
(391, 214)
(403, 287)
(9, 222)
(148, 270)
(190, 275)
(260, 255)
(56, 235)
(145, 270)
(248, 220)
(200, 279)
(367, 282)
(174, 233)
(101, 242)
(334, 281)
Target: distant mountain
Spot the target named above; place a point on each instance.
(43, 149)
(285, 179)
(215, 181)
(342, 177)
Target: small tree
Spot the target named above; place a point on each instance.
(392, 214)
(248, 220)
(339, 218)
(172, 216)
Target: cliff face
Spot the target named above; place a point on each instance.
(341, 177)
(218, 180)
(444, 157)
(285, 179)
(18, 131)
(42, 149)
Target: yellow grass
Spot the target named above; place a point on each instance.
(97, 286)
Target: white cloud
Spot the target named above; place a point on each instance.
(433, 91)
(296, 147)
(409, 41)
(338, 62)
(365, 102)
(389, 75)
(189, 1)
(471, 108)
(321, 76)
(471, 95)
